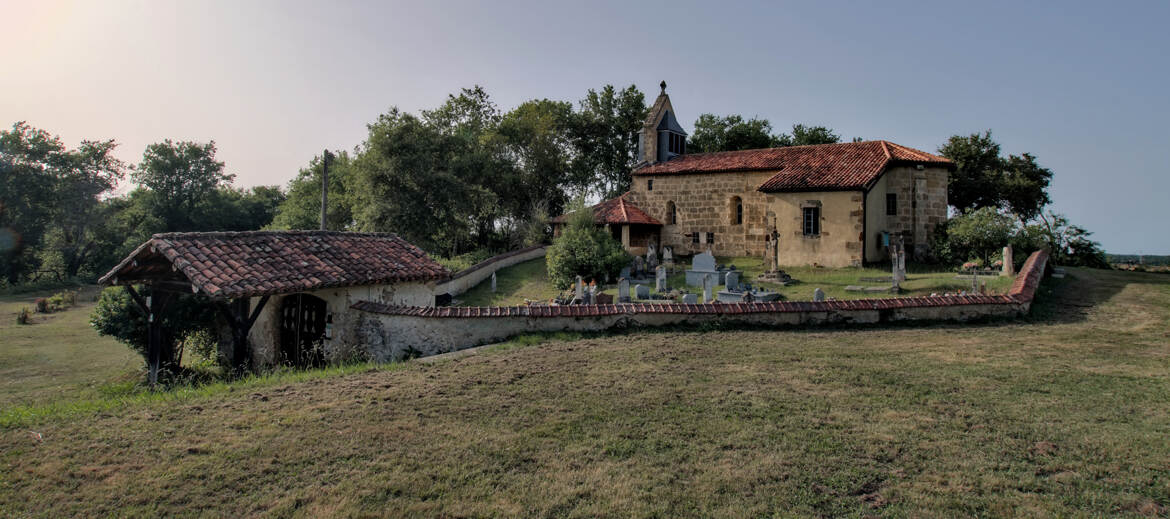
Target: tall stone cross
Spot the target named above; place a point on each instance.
(775, 263)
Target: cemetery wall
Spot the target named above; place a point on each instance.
(464, 280)
(389, 331)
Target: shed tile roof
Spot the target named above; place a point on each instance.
(842, 166)
(616, 211)
(255, 263)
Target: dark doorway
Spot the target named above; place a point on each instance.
(302, 330)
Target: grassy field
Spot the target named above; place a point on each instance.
(1061, 415)
(58, 355)
(529, 280)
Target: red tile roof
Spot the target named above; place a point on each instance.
(247, 264)
(616, 211)
(843, 166)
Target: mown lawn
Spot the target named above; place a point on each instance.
(529, 281)
(1063, 414)
(58, 355)
(526, 280)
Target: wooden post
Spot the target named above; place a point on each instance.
(324, 187)
(241, 322)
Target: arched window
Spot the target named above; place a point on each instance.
(671, 213)
(736, 210)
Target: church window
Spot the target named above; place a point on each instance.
(671, 213)
(710, 237)
(812, 221)
(891, 204)
(649, 184)
(676, 143)
(695, 237)
(736, 210)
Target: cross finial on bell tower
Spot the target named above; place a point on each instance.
(663, 85)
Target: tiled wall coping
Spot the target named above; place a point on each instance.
(492, 260)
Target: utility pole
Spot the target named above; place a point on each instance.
(325, 186)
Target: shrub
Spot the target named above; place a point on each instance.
(584, 250)
(41, 305)
(117, 315)
(23, 316)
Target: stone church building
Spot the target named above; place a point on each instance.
(832, 205)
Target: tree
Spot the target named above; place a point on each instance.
(807, 135)
(535, 135)
(421, 183)
(977, 234)
(187, 317)
(584, 249)
(181, 175)
(605, 139)
(734, 133)
(975, 182)
(50, 200)
(1069, 244)
(1024, 186)
(1017, 184)
(302, 206)
(730, 133)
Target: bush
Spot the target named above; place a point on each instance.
(188, 319)
(23, 316)
(585, 250)
(41, 305)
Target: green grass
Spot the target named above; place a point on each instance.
(58, 355)
(526, 280)
(529, 281)
(1060, 415)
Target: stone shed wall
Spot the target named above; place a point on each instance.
(388, 332)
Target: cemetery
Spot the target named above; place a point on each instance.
(751, 280)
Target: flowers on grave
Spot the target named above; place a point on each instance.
(997, 263)
(970, 265)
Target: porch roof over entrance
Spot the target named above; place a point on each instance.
(616, 211)
(228, 265)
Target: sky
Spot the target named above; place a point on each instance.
(1080, 85)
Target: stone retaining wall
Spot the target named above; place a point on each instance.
(465, 279)
(388, 331)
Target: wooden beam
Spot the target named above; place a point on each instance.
(255, 314)
(138, 299)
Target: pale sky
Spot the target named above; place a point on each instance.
(1083, 86)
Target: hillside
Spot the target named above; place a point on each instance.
(1063, 414)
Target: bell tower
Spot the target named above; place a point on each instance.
(661, 138)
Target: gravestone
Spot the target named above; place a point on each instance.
(493, 282)
(702, 264)
(638, 266)
(732, 281)
(667, 256)
(623, 290)
(690, 299)
(580, 289)
(1009, 267)
(660, 279)
(818, 295)
(651, 258)
(708, 287)
(642, 292)
(625, 273)
(604, 299)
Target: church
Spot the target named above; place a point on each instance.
(832, 205)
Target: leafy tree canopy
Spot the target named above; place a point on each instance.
(584, 249)
(734, 133)
(983, 178)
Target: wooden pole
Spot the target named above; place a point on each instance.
(324, 187)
